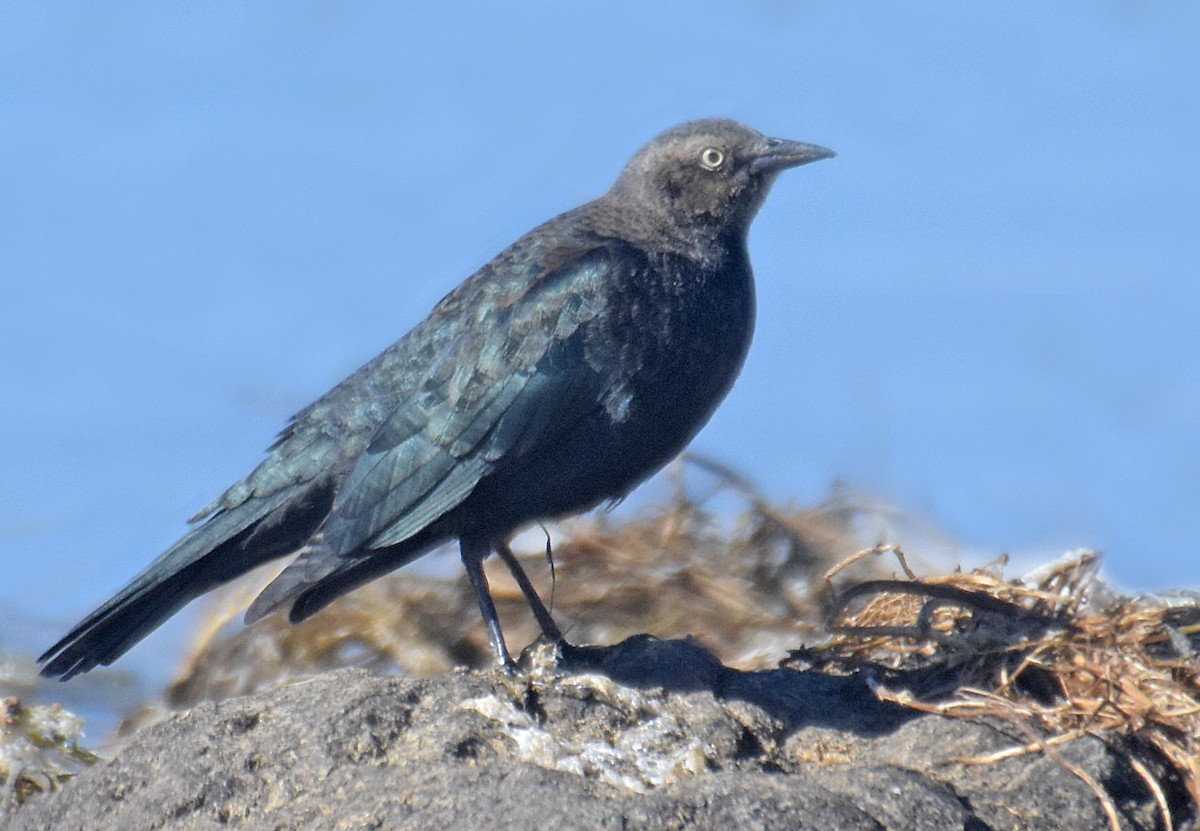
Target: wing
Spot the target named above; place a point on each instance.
(502, 371)
(488, 397)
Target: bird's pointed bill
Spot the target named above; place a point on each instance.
(780, 154)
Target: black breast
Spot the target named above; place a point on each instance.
(668, 346)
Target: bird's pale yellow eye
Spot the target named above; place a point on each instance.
(711, 158)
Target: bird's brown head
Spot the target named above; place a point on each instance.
(708, 178)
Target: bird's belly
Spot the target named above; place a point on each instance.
(626, 438)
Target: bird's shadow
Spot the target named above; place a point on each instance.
(796, 698)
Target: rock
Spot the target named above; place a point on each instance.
(644, 735)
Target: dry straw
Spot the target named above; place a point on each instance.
(1057, 654)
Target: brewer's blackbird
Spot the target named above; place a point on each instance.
(565, 371)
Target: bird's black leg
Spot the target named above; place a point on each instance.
(473, 555)
(549, 628)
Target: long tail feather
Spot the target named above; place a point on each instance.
(223, 548)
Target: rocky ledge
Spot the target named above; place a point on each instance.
(644, 735)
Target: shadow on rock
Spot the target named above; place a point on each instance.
(795, 698)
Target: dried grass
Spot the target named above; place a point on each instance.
(1056, 654)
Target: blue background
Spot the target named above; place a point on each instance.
(983, 311)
